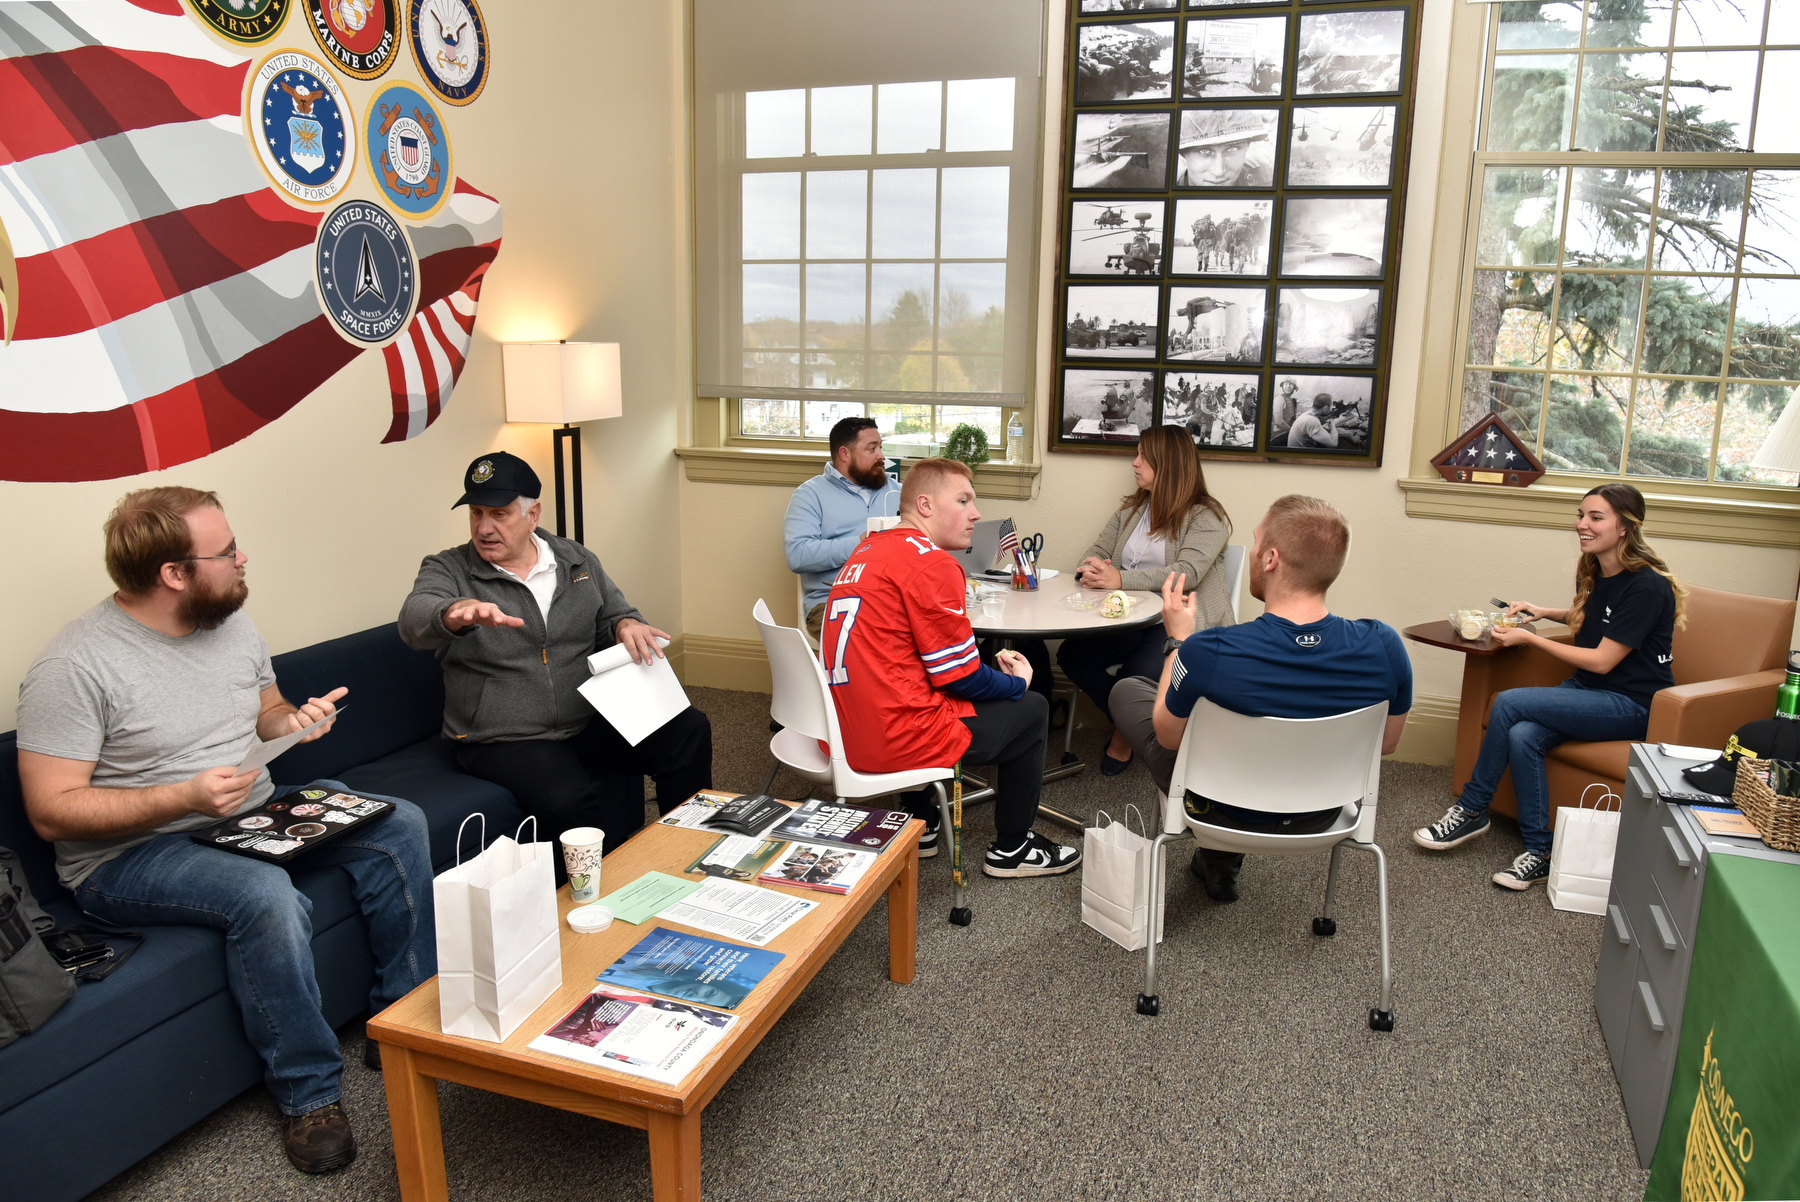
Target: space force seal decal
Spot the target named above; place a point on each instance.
(450, 44)
(365, 268)
(409, 151)
(361, 36)
(299, 125)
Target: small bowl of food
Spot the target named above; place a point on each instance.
(1471, 624)
(1500, 618)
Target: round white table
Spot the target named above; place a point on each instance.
(1044, 613)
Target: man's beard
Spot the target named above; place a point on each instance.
(208, 610)
(874, 477)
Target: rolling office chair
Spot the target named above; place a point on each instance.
(1250, 763)
(801, 702)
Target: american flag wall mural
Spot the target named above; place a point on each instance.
(158, 296)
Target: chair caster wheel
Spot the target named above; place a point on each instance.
(1324, 927)
(962, 916)
(1381, 1020)
(1069, 757)
(1149, 1005)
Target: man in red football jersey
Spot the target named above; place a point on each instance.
(910, 687)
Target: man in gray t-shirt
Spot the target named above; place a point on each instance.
(131, 725)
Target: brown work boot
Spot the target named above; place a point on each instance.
(320, 1140)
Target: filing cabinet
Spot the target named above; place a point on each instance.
(1647, 940)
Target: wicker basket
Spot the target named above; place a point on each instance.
(1775, 817)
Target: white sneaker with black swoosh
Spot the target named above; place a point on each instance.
(1037, 856)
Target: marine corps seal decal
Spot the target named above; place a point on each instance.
(366, 272)
(361, 36)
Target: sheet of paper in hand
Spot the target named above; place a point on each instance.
(638, 699)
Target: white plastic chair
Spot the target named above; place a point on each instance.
(1281, 766)
(1234, 577)
(801, 702)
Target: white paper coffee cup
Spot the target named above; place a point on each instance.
(582, 848)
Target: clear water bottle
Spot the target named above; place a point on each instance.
(1015, 439)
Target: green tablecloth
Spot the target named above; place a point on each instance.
(1732, 1129)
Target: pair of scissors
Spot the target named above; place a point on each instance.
(1032, 546)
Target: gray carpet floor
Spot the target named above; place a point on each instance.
(1015, 1066)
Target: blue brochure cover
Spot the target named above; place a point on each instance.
(692, 968)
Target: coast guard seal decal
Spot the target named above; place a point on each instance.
(449, 42)
(298, 125)
(409, 151)
(361, 36)
(366, 272)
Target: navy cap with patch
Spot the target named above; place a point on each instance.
(496, 479)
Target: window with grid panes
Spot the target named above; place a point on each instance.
(864, 245)
(1632, 281)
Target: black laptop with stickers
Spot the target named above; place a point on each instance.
(278, 831)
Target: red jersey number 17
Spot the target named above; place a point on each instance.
(845, 608)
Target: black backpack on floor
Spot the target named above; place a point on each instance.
(33, 986)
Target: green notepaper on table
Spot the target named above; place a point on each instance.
(648, 896)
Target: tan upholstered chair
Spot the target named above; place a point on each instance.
(1728, 662)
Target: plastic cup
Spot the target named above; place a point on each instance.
(582, 848)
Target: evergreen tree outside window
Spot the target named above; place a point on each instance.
(1633, 284)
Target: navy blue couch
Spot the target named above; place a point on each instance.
(134, 1060)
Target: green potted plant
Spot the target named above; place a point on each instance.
(968, 444)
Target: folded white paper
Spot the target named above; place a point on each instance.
(262, 753)
(637, 699)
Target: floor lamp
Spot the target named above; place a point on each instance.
(566, 382)
(1781, 452)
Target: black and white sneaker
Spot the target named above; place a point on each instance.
(928, 842)
(1037, 856)
(1526, 871)
(1456, 827)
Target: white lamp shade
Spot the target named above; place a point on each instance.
(562, 381)
(1781, 449)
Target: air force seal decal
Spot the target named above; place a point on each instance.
(246, 22)
(298, 124)
(366, 272)
(409, 151)
(450, 44)
(361, 36)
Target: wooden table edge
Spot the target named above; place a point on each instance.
(700, 1086)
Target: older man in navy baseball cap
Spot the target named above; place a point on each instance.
(513, 615)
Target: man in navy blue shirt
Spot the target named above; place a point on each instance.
(1298, 660)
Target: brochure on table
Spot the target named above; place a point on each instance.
(737, 857)
(637, 1034)
(691, 968)
(814, 866)
(739, 911)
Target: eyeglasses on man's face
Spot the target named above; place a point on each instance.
(230, 553)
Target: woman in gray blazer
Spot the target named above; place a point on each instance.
(1170, 524)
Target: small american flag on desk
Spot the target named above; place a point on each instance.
(1009, 538)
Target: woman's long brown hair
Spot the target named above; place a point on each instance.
(1178, 486)
(1634, 553)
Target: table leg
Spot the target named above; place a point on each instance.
(1477, 683)
(675, 1157)
(903, 921)
(418, 1132)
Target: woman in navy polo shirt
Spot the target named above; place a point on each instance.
(1627, 606)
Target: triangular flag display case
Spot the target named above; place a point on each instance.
(1488, 453)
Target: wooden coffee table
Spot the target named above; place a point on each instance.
(416, 1054)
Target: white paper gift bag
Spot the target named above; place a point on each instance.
(499, 949)
(1115, 882)
(1581, 859)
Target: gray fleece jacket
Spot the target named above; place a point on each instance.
(507, 683)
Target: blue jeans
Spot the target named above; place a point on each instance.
(173, 880)
(1525, 725)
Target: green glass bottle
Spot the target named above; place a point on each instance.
(1787, 697)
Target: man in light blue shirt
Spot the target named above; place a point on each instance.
(830, 513)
